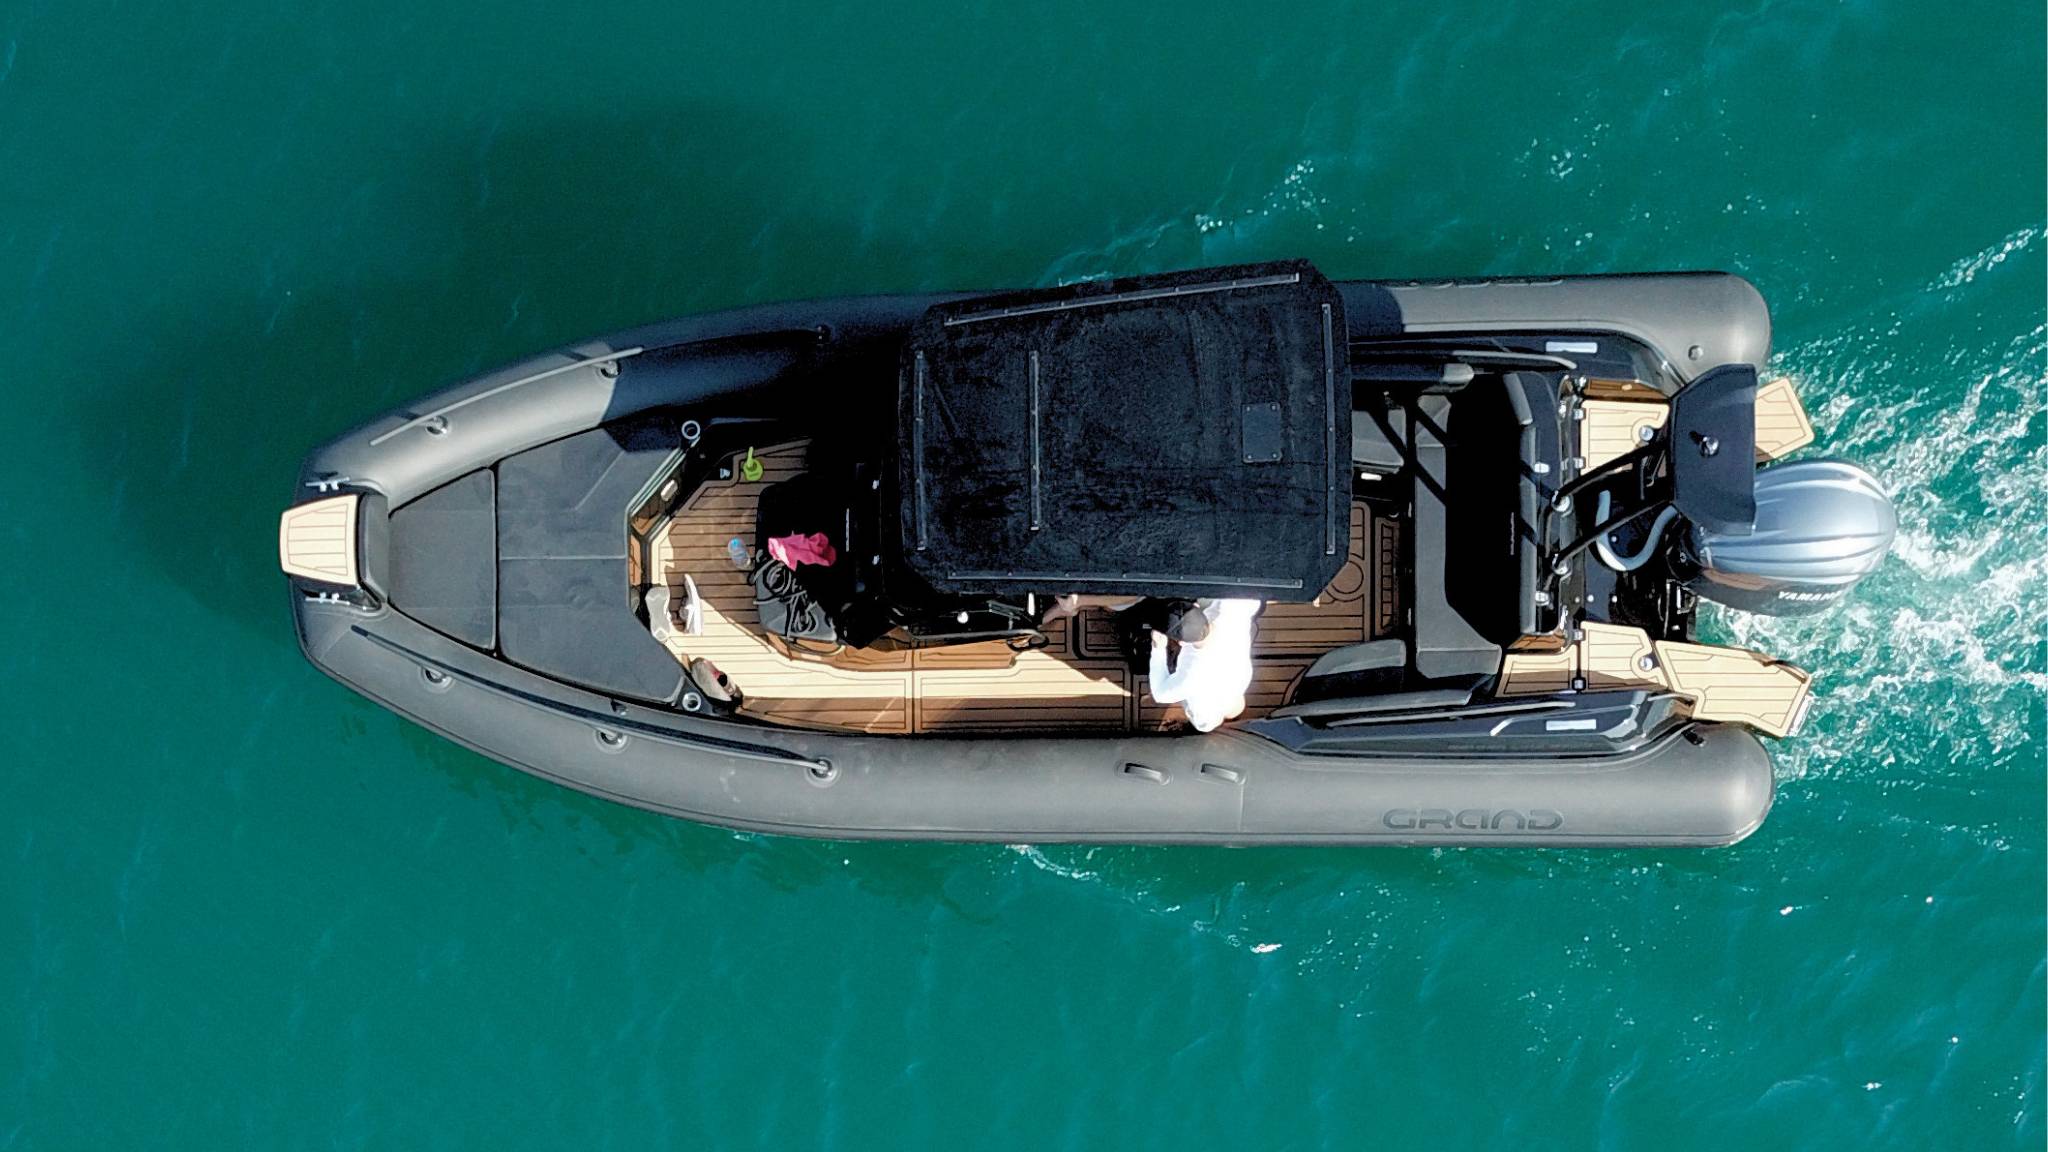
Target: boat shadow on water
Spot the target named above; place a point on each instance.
(496, 244)
(490, 248)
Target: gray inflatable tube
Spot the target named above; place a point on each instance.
(1697, 784)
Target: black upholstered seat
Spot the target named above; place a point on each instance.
(444, 559)
(565, 604)
(1447, 646)
(1533, 399)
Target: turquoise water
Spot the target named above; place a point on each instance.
(244, 908)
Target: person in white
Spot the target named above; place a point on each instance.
(1209, 676)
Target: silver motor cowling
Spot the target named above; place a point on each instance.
(1821, 527)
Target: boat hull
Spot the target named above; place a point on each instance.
(1700, 784)
(1707, 785)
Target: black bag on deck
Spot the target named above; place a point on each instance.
(786, 609)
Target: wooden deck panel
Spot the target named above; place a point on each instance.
(1782, 425)
(1736, 685)
(1078, 680)
(1615, 419)
(1536, 673)
(1633, 390)
(317, 540)
(1613, 656)
(1613, 428)
(1334, 619)
(1098, 634)
(1385, 572)
(1733, 685)
(1272, 681)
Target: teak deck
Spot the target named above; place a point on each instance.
(1616, 415)
(1078, 681)
(1730, 684)
(318, 540)
(1719, 683)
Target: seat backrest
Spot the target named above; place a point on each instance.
(1446, 645)
(1379, 438)
(1533, 397)
(1371, 656)
(563, 569)
(1375, 667)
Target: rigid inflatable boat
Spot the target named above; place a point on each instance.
(1479, 515)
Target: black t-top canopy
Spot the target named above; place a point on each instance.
(1175, 435)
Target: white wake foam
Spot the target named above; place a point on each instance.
(1947, 639)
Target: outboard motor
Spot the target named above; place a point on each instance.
(1821, 527)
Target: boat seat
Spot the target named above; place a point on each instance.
(1533, 398)
(444, 559)
(1371, 656)
(1379, 439)
(564, 597)
(1447, 646)
(1371, 668)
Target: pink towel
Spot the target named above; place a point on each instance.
(795, 550)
